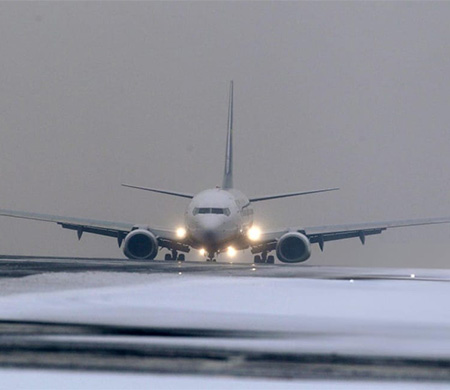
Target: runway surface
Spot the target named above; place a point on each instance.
(20, 266)
(237, 320)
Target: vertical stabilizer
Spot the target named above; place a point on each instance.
(228, 173)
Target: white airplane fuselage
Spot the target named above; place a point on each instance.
(216, 219)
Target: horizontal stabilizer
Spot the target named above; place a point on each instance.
(173, 193)
(258, 199)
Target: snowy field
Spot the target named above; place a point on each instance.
(405, 318)
(57, 380)
(386, 317)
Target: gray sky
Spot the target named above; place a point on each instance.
(348, 94)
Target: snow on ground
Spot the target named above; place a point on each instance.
(386, 317)
(47, 282)
(72, 380)
(373, 300)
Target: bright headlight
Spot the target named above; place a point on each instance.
(254, 233)
(181, 232)
(203, 252)
(231, 251)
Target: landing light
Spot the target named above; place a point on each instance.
(231, 251)
(202, 252)
(181, 232)
(254, 233)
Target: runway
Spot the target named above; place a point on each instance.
(214, 320)
(20, 266)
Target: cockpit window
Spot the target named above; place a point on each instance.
(211, 210)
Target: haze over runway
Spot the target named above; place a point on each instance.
(352, 95)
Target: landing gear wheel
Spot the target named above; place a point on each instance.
(181, 257)
(171, 257)
(270, 260)
(257, 259)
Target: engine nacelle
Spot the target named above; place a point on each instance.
(293, 247)
(140, 244)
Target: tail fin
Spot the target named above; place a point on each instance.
(228, 173)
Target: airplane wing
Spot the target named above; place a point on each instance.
(105, 228)
(321, 234)
(288, 195)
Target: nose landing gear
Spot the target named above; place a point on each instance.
(211, 257)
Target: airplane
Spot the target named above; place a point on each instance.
(220, 220)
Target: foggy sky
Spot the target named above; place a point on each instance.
(348, 94)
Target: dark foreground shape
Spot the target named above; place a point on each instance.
(133, 355)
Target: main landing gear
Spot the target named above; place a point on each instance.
(174, 256)
(264, 258)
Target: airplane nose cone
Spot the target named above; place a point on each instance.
(209, 229)
(210, 223)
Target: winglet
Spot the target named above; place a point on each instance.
(228, 173)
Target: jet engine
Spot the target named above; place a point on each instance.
(293, 247)
(140, 244)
